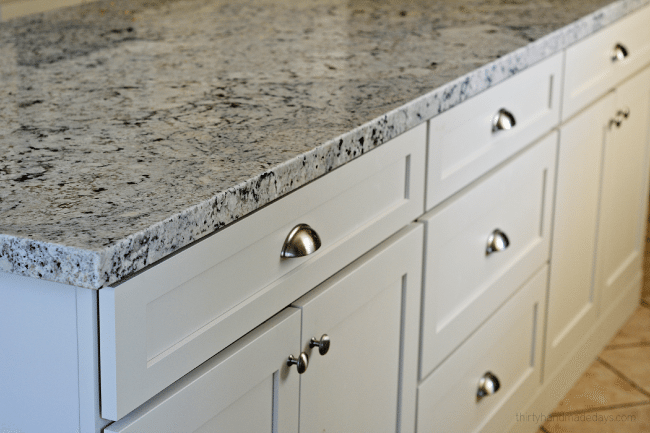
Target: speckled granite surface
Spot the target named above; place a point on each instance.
(129, 129)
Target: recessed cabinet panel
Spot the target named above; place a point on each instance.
(624, 196)
(161, 324)
(508, 347)
(465, 282)
(572, 300)
(472, 138)
(600, 62)
(366, 381)
(246, 388)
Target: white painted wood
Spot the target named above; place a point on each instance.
(367, 380)
(556, 385)
(624, 197)
(591, 72)
(248, 387)
(462, 146)
(509, 346)
(571, 306)
(39, 376)
(159, 325)
(463, 285)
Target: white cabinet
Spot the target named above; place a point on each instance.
(370, 313)
(599, 214)
(624, 194)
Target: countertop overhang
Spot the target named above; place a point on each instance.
(131, 129)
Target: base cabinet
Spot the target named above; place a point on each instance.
(369, 312)
(599, 213)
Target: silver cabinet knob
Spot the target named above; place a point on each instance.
(301, 362)
(620, 52)
(301, 241)
(615, 122)
(624, 113)
(487, 385)
(503, 120)
(323, 344)
(497, 241)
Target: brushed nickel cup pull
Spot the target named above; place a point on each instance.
(487, 385)
(301, 241)
(503, 120)
(497, 241)
(301, 362)
(323, 344)
(620, 52)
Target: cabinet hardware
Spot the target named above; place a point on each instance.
(487, 385)
(497, 241)
(624, 112)
(301, 241)
(615, 122)
(503, 120)
(620, 52)
(301, 362)
(323, 344)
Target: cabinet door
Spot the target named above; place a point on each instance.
(624, 192)
(572, 307)
(366, 382)
(247, 387)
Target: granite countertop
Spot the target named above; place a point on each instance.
(131, 128)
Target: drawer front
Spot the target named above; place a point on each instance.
(462, 143)
(249, 377)
(592, 67)
(464, 284)
(159, 325)
(509, 347)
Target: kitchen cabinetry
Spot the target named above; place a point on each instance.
(369, 314)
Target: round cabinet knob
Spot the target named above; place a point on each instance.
(301, 241)
(615, 122)
(487, 385)
(503, 120)
(497, 241)
(323, 344)
(301, 362)
(624, 113)
(620, 52)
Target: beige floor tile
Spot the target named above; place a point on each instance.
(634, 419)
(597, 387)
(636, 330)
(632, 362)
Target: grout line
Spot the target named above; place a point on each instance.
(626, 345)
(599, 408)
(622, 376)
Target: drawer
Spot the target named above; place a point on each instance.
(162, 323)
(509, 347)
(463, 144)
(249, 377)
(463, 284)
(592, 67)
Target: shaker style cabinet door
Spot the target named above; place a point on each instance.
(624, 192)
(359, 330)
(246, 388)
(572, 304)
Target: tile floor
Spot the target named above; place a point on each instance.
(613, 395)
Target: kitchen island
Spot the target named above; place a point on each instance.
(130, 131)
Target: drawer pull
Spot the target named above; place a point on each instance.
(301, 362)
(301, 241)
(487, 385)
(323, 344)
(620, 52)
(497, 241)
(503, 120)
